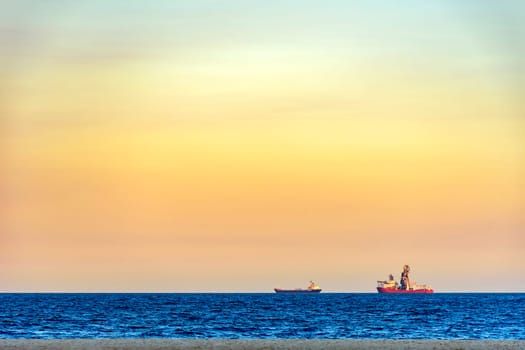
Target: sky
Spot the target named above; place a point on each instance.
(238, 146)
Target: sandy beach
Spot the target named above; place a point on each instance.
(223, 344)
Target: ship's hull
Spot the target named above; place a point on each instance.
(297, 291)
(404, 291)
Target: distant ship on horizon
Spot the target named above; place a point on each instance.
(405, 286)
(312, 288)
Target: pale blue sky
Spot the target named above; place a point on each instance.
(412, 28)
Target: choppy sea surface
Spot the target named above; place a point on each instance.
(207, 315)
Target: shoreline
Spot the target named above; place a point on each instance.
(267, 344)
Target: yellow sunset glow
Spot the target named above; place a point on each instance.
(141, 160)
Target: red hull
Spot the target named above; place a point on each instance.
(404, 291)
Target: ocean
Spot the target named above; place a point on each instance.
(266, 316)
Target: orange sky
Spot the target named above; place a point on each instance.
(160, 156)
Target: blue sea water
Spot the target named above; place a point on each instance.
(325, 315)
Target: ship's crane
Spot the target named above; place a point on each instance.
(405, 280)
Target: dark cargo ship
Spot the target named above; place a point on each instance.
(312, 288)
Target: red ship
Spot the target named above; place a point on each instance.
(405, 286)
